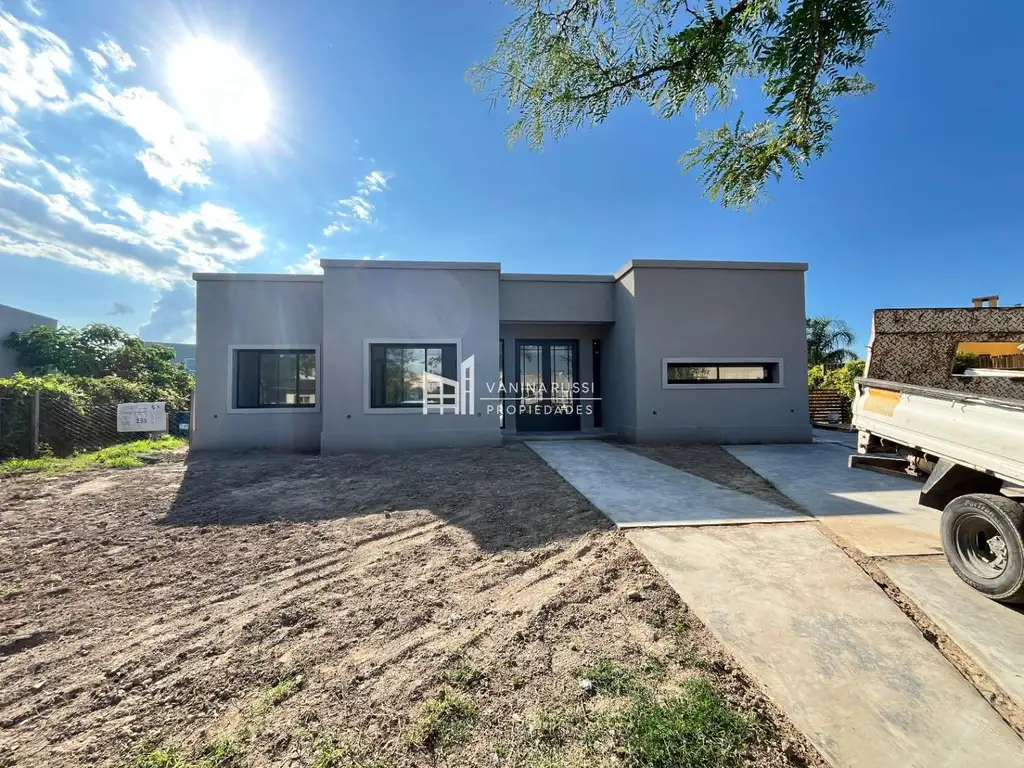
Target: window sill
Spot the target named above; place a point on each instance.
(307, 409)
(770, 385)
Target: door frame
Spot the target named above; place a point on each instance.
(551, 422)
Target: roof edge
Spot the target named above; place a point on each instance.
(778, 266)
(267, 277)
(492, 266)
(537, 278)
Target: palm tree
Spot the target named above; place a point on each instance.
(828, 342)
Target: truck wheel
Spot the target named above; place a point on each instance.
(983, 537)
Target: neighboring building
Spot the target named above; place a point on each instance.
(12, 320)
(183, 353)
(681, 351)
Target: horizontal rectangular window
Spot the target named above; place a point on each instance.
(697, 372)
(275, 378)
(396, 373)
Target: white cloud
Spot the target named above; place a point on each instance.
(132, 208)
(120, 58)
(378, 257)
(176, 155)
(310, 264)
(32, 62)
(95, 58)
(32, 6)
(356, 210)
(144, 51)
(148, 246)
(173, 316)
(374, 181)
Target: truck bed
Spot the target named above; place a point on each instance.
(982, 432)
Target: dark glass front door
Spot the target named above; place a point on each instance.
(547, 372)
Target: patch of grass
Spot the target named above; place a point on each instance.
(123, 455)
(444, 722)
(553, 729)
(281, 691)
(462, 676)
(610, 677)
(222, 753)
(7, 590)
(692, 730)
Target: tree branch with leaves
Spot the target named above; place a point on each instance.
(564, 64)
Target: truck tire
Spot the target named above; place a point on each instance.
(983, 537)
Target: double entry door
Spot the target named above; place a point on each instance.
(547, 372)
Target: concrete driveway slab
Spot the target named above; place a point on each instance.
(833, 651)
(992, 633)
(634, 491)
(878, 514)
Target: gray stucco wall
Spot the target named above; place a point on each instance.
(585, 333)
(750, 314)
(404, 301)
(267, 310)
(11, 320)
(556, 298)
(619, 372)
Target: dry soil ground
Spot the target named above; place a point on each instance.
(435, 608)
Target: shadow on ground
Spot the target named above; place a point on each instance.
(506, 497)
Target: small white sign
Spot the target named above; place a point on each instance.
(142, 417)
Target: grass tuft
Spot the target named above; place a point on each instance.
(222, 753)
(8, 590)
(281, 691)
(123, 456)
(611, 678)
(462, 676)
(444, 722)
(692, 730)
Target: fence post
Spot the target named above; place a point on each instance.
(34, 440)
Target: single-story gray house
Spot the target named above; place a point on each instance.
(661, 351)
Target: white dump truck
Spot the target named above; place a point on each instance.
(944, 389)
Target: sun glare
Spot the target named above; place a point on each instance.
(220, 90)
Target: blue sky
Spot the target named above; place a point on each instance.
(112, 191)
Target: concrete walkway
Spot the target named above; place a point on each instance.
(635, 491)
(992, 633)
(878, 514)
(833, 651)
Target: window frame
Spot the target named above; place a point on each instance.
(234, 349)
(705, 361)
(368, 371)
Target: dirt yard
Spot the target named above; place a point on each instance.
(460, 608)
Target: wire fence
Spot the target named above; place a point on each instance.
(46, 426)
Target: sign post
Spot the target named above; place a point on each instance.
(142, 417)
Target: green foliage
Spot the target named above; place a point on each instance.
(444, 722)
(96, 351)
(223, 753)
(563, 64)
(841, 379)
(692, 730)
(815, 376)
(828, 342)
(122, 455)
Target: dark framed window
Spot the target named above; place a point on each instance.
(396, 373)
(275, 378)
(721, 373)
